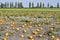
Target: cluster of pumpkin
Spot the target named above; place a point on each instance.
(25, 31)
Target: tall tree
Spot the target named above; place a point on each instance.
(32, 5)
(43, 5)
(7, 4)
(48, 5)
(51, 6)
(21, 5)
(40, 4)
(15, 4)
(57, 5)
(37, 5)
(18, 4)
(2, 5)
(29, 4)
(10, 5)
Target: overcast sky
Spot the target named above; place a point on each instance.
(25, 2)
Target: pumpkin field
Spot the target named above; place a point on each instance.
(30, 24)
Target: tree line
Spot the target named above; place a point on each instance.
(31, 5)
